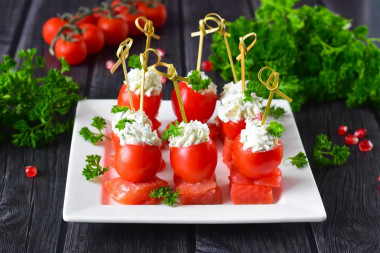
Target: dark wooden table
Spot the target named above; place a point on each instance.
(31, 209)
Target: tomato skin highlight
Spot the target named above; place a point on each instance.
(51, 27)
(158, 13)
(256, 164)
(115, 30)
(194, 163)
(232, 129)
(74, 52)
(151, 103)
(137, 163)
(93, 37)
(197, 106)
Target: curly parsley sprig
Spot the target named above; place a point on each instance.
(275, 129)
(196, 81)
(134, 62)
(99, 123)
(326, 154)
(93, 168)
(168, 195)
(121, 124)
(250, 88)
(299, 160)
(275, 111)
(173, 130)
(116, 109)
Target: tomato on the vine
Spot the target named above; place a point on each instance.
(90, 19)
(137, 163)
(115, 30)
(151, 103)
(73, 50)
(154, 11)
(51, 27)
(256, 164)
(130, 17)
(197, 105)
(194, 163)
(119, 9)
(93, 37)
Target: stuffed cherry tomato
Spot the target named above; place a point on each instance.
(137, 148)
(152, 88)
(151, 103)
(193, 154)
(235, 107)
(257, 150)
(198, 97)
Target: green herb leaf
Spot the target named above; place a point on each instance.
(299, 160)
(34, 107)
(275, 129)
(196, 81)
(134, 62)
(317, 55)
(93, 168)
(326, 154)
(168, 195)
(250, 87)
(121, 124)
(173, 130)
(97, 122)
(116, 109)
(275, 111)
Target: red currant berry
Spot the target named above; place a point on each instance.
(30, 171)
(110, 64)
(361, 133)
(163, 79)
(342, 130)
(365, 145)
(161, 52)
(206, 65)
(351, 139)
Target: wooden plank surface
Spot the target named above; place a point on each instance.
(31, 209)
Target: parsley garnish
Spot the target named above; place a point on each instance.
(326, 154)
(173, 130)
(116, 109)
(275, 129)
(99, 123)
(300, 160)
(318, 49)
(196, 81)
(33, 106)
(93, 168)
(121, 124)
(170, 197)
(275, 111)
(250, 87)
(134, 62)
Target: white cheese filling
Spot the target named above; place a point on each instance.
(234, 108)
(137, 132)
(256, 137)
(152, 84)
(193, 133)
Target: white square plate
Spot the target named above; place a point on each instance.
(298, 200)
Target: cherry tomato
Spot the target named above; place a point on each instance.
(194, 163)
(130, 18)
(51, 27)
(151, 103)
(256, 164)
(74, 51)
(115, 30)
(136, 163)
(232, 129)
(90, 19)
(154, 11)
(99, 15)
(93, 37)
(197, 106)
(119, 9)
